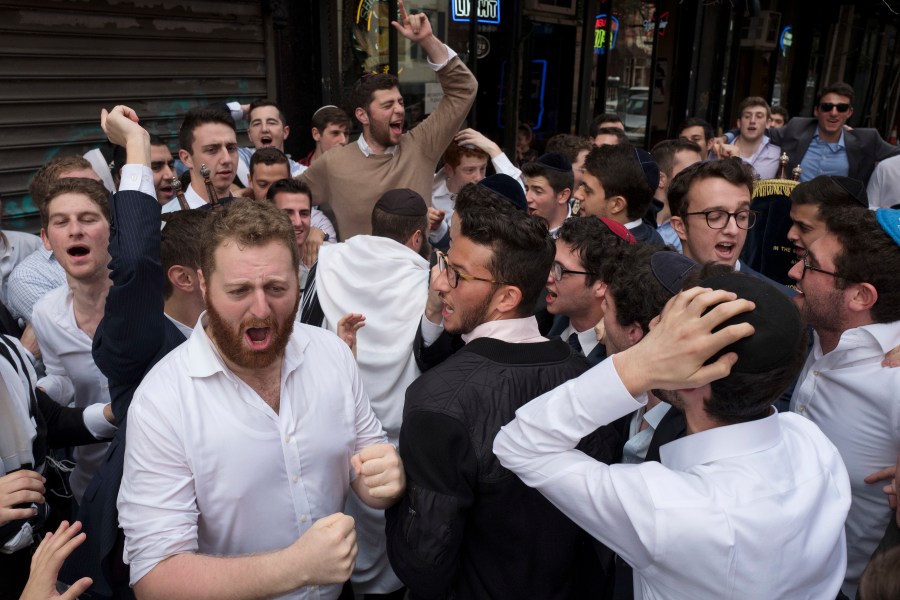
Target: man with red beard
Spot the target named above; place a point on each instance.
(467, 528)
(243, 442)
(354, 177)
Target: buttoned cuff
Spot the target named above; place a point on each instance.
(137, 178)
(96, 423)
(438, 234)
(237, 113)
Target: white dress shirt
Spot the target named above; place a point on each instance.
(193, 199)
(210, 468)
(747, 511)
(856, 403)
(71, 372)
(587, 339)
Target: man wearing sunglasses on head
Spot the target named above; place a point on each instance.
(822, 145)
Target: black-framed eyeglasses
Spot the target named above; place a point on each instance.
(809, 267)
(718, 219)
(841, 107)
(558, 271)
(453, 276)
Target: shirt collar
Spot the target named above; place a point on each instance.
(839, 144)
(721, 443)
(655, 415)
(367, 151)
(632, 224)
(512, 331)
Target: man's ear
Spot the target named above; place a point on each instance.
(202, 281)
(414, 242)
(316, 134)
(663, 181)
(287, 131)
(185, 157)
(678, 226)
(599, 289)
(507, 299)
(183, 278)
(863, 297)
(634, 333)
(563, 196)
(45, 239)
(618, 204)
(361, 115)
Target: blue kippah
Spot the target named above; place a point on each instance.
(671, 269)
(889, 219)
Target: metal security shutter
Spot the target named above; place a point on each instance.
(62, 61)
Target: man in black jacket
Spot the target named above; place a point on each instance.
(468, 528)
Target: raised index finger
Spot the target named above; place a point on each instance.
(403, 16)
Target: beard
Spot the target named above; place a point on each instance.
(381, 133)
(230, 340)
(471, 318)
(824, 312)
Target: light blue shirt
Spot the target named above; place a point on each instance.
(823, 158)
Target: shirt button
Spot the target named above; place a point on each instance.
(287, 439)
(304, 518)
(801, 409)
(816, 373)
(294, 478)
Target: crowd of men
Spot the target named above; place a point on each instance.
(381, 372)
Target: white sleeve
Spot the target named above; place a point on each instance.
(450, 54)
(318, 219)
(538, 446)
(96, 423)
(503, 165)
(55, 382)
(137, 178)
(237, 112)
(430, 331)
(157, 503)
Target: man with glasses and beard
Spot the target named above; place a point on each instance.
(850, 296)
(243, 442)
(467, 528)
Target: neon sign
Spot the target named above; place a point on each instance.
(486, 11)
(600, 42)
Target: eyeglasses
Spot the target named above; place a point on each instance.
(558, 271)
(841, 107)
(453, 276)
(718, 219)
(809, 267)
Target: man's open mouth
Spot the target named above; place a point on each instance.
(258, 337)
(78, 251)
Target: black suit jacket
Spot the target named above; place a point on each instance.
(132, 337)
(865, 147)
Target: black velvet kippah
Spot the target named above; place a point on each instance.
(403, 202)
(555, 161)
(506, 187)
(854, 187)
(649, 166)
(775, 319)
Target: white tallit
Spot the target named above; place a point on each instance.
(17, 427)
(388, 283)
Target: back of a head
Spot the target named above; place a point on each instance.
(602, 120)
(664, 152)
(768, 360)
(868, 255)
(620, 174)
(330, 115)
(180, 242)
(197, 116)
(733, 170)
(50, 172)
(696, 122)
(568, 145)
(881, 579)
(522, 249)
(250, 224)
(398, 214)
(366, 86)
(454, 154)
(94, 190)
(599, 249)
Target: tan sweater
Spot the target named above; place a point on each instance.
(352, 183)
